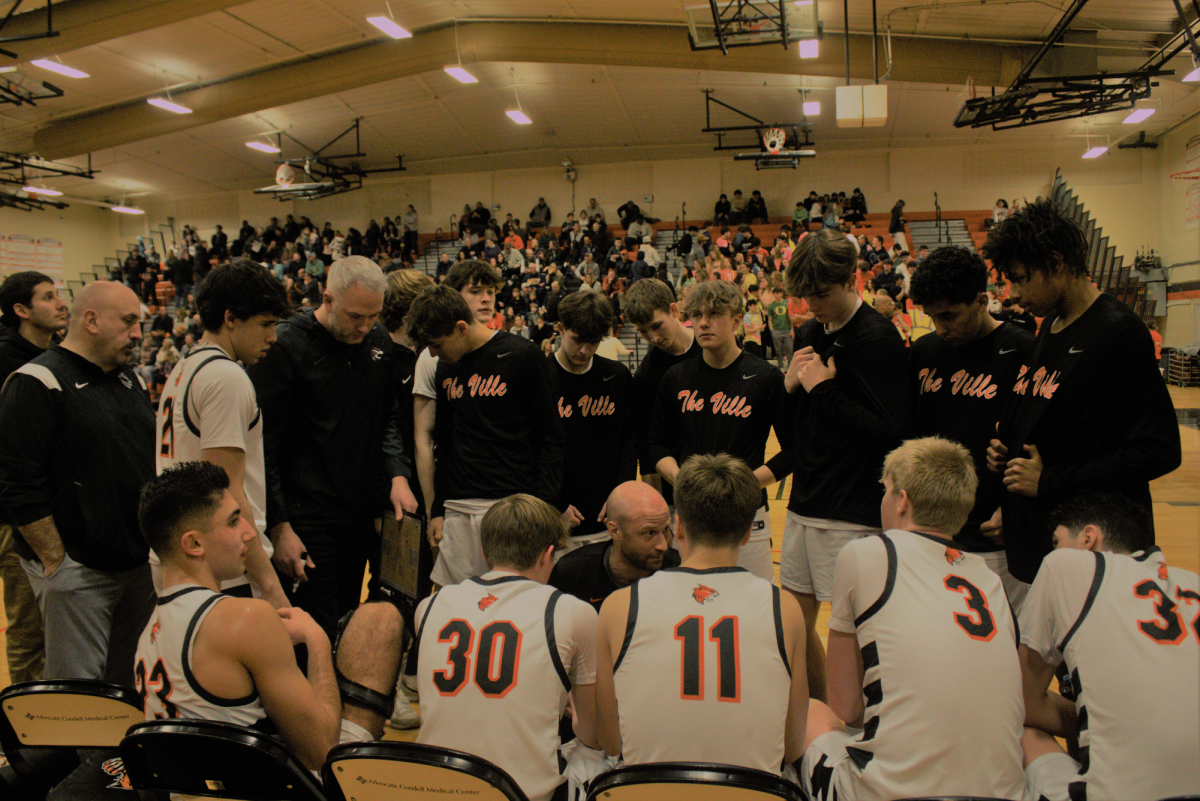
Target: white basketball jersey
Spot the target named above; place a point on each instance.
(703, 675)
(498, 655)
(163, 667)
(1128, 628)
(209, 402)
(943, 710)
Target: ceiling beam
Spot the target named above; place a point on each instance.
(373, 62)
(80, 23)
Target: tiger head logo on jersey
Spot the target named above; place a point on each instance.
(703, 594)
(1162, 571)
(487, 601)
(154, 631)
(116, 768)
(954, 556)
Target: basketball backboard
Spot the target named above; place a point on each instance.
(741, 23)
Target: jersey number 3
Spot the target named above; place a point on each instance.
(167, 446)
(160, 683)
(497, 655)
(690, 634)
(979, 625)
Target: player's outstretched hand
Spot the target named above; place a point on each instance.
(1023, 475)
(434, 532)
(300, 626)
(572, 517)
(993, 529)
(291, 557)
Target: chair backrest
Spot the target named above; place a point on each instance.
(214, 760)
(690, 781)
(66, 714)
(386, 770)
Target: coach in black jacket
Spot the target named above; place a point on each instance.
(76, 445)
(330, 430)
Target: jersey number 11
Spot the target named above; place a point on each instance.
(690, 633)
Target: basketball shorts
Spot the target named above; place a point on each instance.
(460, 555)
(825, 768)
(1050, 776)
(755, 555)
(810, 549)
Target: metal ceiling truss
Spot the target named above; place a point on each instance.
(1033, 101)
(26, 36)
(763, 160)
(737, 16)
(17, 169)
(326, 175)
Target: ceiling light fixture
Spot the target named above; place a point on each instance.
(1141, 110)
(389, 27)
(812, 108)
(804, 2)
(41, 190)
(127, 210)
(462, 75)
(1098, 150)
(163, 103)
(810, 48)
(262, 146)
(457, 71)
(61, 69)
(518, 116)
(8, 68)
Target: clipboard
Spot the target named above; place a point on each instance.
(400, 560)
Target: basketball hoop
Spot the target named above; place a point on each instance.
(773, 140)
(285, 175)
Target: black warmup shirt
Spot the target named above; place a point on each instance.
(584, 573)
(702, 409)
(599, 421)
(649, 375)
(404, 366)
(15, 350)
(845, 426)
(1093, 402)
(499, 431)
(77, 444)
(960, 392)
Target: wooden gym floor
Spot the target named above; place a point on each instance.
(1176, 515)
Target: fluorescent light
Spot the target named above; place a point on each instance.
(1138, 115)
(804, 2)
(41, 190)
(127, 210)
(9, 68)
(263, 146)
(812, 107)
(169, 106)
(518, 116)
(386, 25)
(1192, 76)
(61, 69)
(462, 75)
(1099, 150)
(810, 48)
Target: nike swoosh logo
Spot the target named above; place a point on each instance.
(405, 381)
(1010, 350)
(81, 386)
(502, 355)
(597, 600)
(1072, 350)
(609, 377)
(749, 376)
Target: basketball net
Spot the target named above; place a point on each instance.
(773, 140)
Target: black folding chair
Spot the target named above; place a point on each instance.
(690, 781)
(214, 760)
(382, 770)
(43, 723)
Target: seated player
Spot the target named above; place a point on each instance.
(749, 707)
(214, 657)
(1126, 626)
(639, 525)
(922, 650)
(501, 652)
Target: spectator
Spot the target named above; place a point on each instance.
(756, 209)
(479, 219)
(410, 230)
(903, 322)
(737, 214)
(628, 213)
(540, 215)
(594, 211)
(78, 412)
(1000, 211)
(723, 211)
(781, 327)
(896, 226)
(800, 217)
(637, 232)
(856, 211)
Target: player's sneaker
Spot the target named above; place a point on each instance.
(408, 687)
(404, 716)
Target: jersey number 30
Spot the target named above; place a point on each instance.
(497, 655)
(1168, 626)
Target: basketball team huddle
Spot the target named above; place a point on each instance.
(973, 547)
